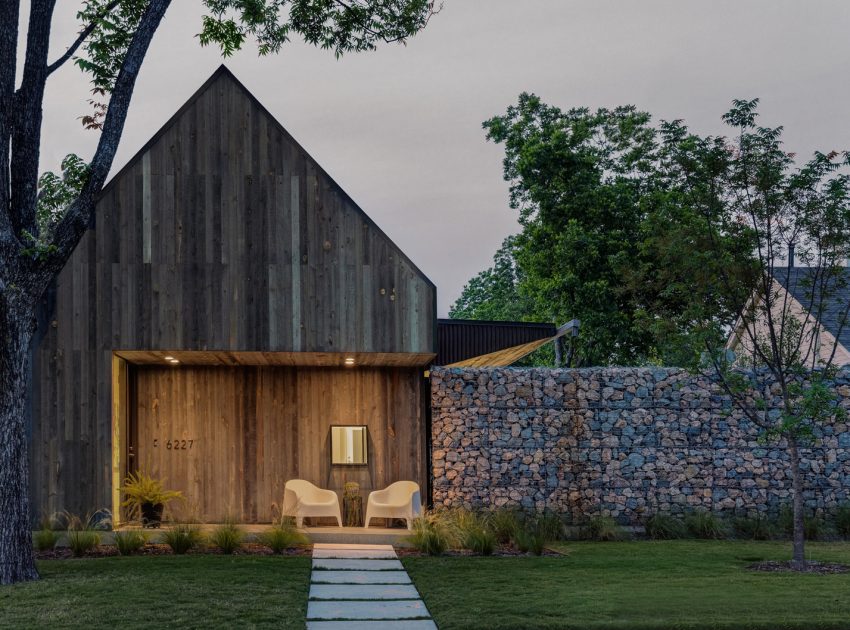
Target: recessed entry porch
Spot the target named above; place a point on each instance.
(228, 429)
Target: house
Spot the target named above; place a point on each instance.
(228, 306)
(795, 291)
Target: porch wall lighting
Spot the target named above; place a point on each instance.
(173, 361)
(349, 361)
(169, 358)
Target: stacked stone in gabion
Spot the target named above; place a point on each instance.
(622, 442)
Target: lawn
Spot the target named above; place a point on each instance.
(166, 591)
(635, 585)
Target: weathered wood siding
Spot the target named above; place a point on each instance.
(238, 434)
(222, 234)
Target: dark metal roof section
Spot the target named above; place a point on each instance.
(460, 339)
(798, 282)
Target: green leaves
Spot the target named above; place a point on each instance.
(341, 26)
(105, 49)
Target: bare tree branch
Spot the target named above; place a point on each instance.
(9, 16)
(53, 67)
(26, 135)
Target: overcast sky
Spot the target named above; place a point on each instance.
(400, 128)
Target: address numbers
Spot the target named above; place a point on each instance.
(174, 445)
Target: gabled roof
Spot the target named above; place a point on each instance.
(798, 280)
(224, 72)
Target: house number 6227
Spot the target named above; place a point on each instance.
(175, 445)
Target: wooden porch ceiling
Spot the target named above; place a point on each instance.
(312, 359)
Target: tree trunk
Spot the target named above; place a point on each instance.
(16, 328)
(798, 560)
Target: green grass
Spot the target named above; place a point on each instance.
(161, 592)
(660, 585)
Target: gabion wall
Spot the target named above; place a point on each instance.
(624, 442)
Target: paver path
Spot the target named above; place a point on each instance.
(363, 587)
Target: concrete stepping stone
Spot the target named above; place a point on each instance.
(363, 591)
(355, 553)
(402, 609)
(399, 624)
(352, 546)
(343, 564)
(361, 577)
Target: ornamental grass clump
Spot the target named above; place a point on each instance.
(529, 539)
(813, 526)
(183, 537)
(841, 520)
(758, 527)
(662, 526)
(45, 539)
(551, 526)
(704, 524)
(505, 523)
(282, 537)
(433, 533)
(130, 542)
(472, 530)
(603, 529)
(227, 537)
(82, 536)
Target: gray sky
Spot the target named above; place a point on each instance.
(400, 128)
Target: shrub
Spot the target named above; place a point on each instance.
(281, 537)
(842, 521)
(130, 541)
(704, 524)
(665, 527)
(81, 541)
(504, 523)
(46, 539)
(183, 537)
(227, 537)
(603, 528)
(432, 533)
(757, 527)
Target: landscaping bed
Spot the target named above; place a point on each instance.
(161, 549)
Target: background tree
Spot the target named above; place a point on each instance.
(43, 219)
(495, 293)
(601, 236)
(748, 191)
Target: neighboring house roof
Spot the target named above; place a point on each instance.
(797, 281)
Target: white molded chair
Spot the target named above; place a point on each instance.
(398, 500)
(301, 499)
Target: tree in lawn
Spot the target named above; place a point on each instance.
(749, 192)
(43, 218)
